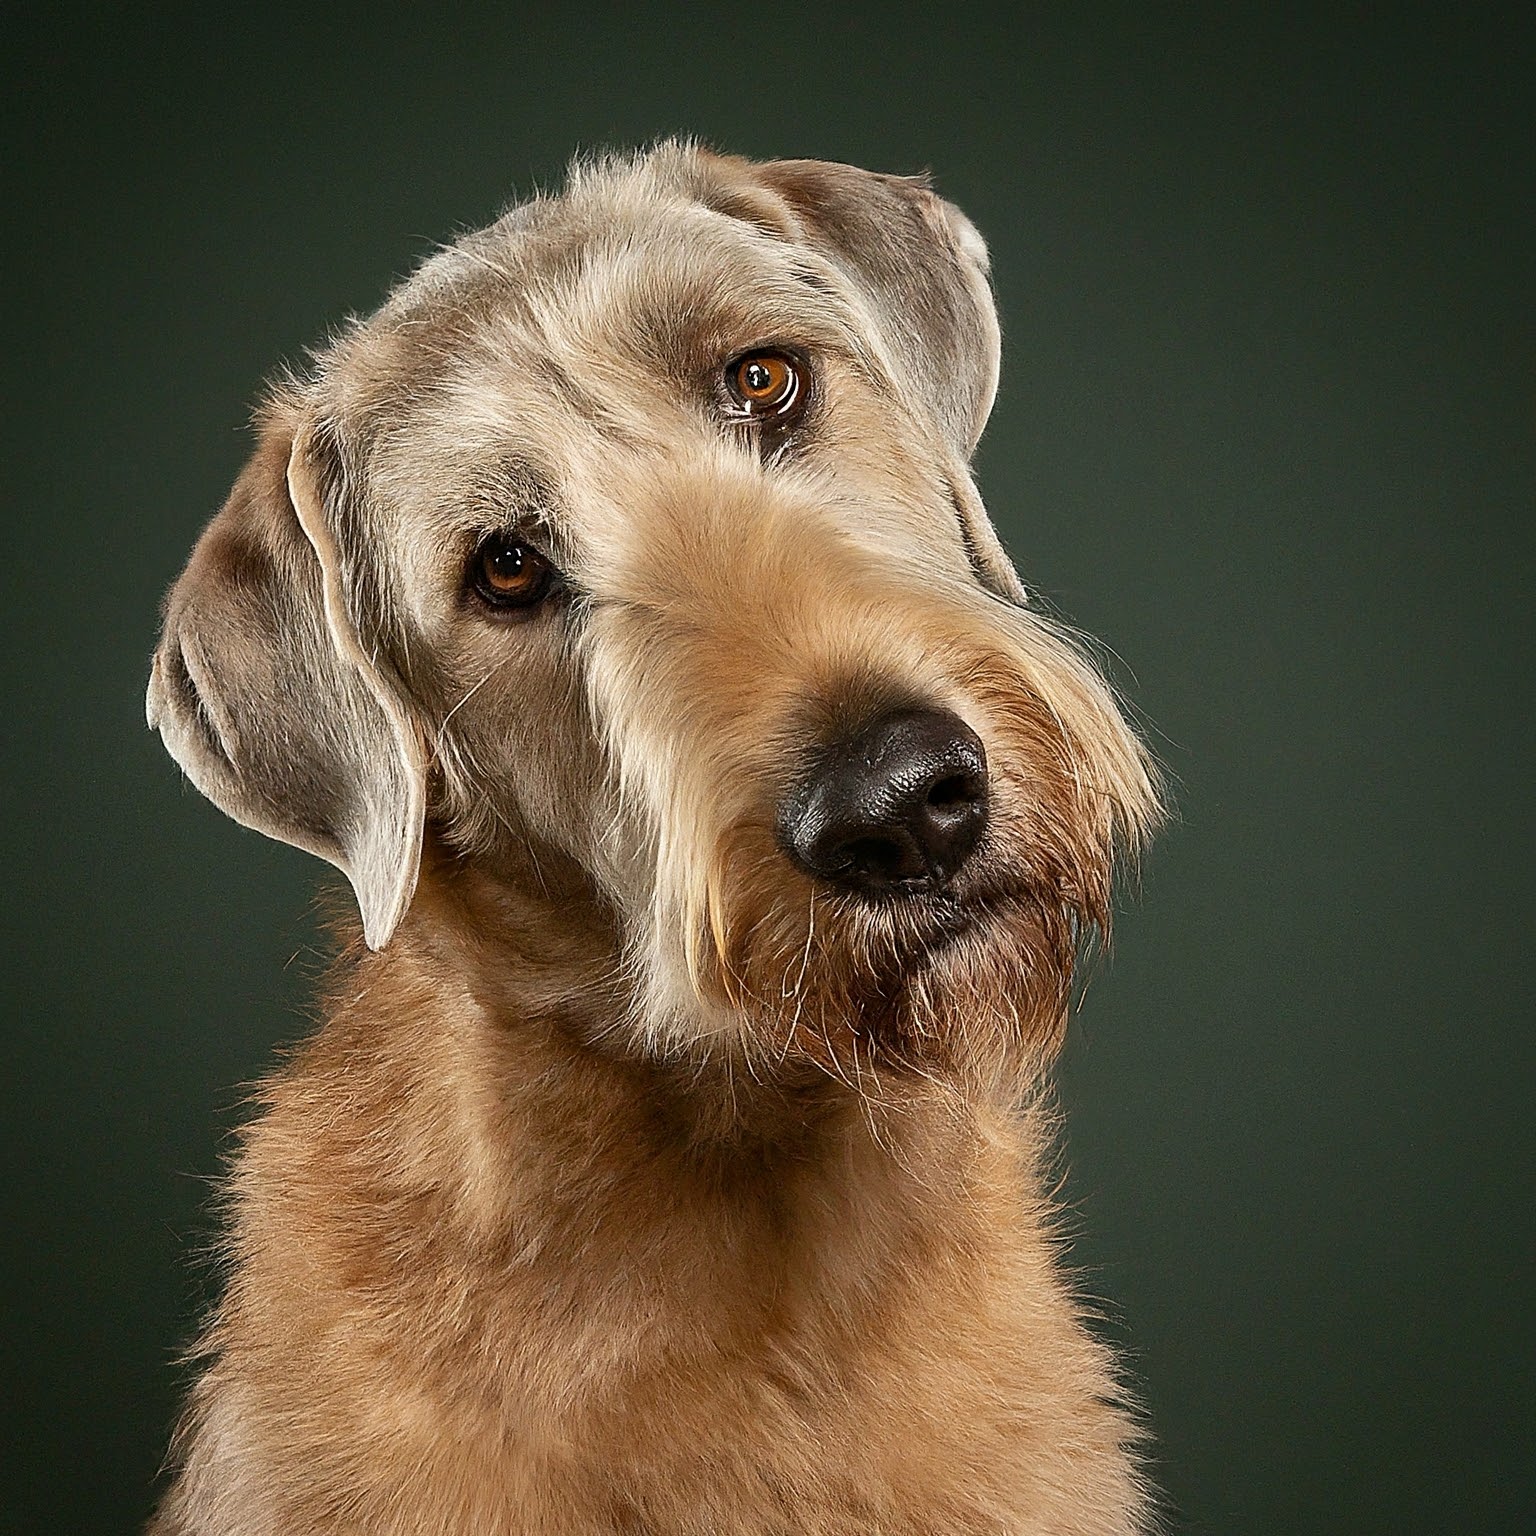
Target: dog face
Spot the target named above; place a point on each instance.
(632, 544)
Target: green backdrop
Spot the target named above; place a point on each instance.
(1265, 427)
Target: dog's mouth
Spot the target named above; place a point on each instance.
(955, 924)
(938, 980)
(888, 948)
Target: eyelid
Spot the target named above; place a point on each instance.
(533, 527)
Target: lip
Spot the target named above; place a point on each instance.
(963, 919)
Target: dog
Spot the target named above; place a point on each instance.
(616, 609)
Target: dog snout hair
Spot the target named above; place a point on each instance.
(895, 809)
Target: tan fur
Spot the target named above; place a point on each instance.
(635, 1182)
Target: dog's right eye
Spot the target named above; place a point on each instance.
(506, 574)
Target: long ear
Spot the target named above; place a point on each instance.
(264, 695)
(923, 267)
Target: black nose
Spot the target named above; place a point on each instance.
(897, 808)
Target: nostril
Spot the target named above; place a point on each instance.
(881, 859)
(958, 788)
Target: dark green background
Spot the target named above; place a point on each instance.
(1265, 427)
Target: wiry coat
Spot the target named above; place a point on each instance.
(635, 1181)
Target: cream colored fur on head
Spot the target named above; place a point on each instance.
(641, 1179)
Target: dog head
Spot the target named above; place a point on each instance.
(635, 535)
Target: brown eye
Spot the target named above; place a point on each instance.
(766, 385)
(507, 573)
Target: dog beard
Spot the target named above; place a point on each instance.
(947, 987)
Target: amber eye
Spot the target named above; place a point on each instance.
(765, 384)
(507, 573)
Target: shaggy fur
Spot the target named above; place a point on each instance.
(637, 1181)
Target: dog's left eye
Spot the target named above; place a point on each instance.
(766, 386)
(506, 573)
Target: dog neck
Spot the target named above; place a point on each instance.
(494, 1031)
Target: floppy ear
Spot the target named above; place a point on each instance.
(264, 695)
(923, 266)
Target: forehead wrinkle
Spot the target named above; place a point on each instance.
(502, 385)
(584, 403)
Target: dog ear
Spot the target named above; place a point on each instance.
(264, 693)
(924, 265)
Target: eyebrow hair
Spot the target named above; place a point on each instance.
(512, 492)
